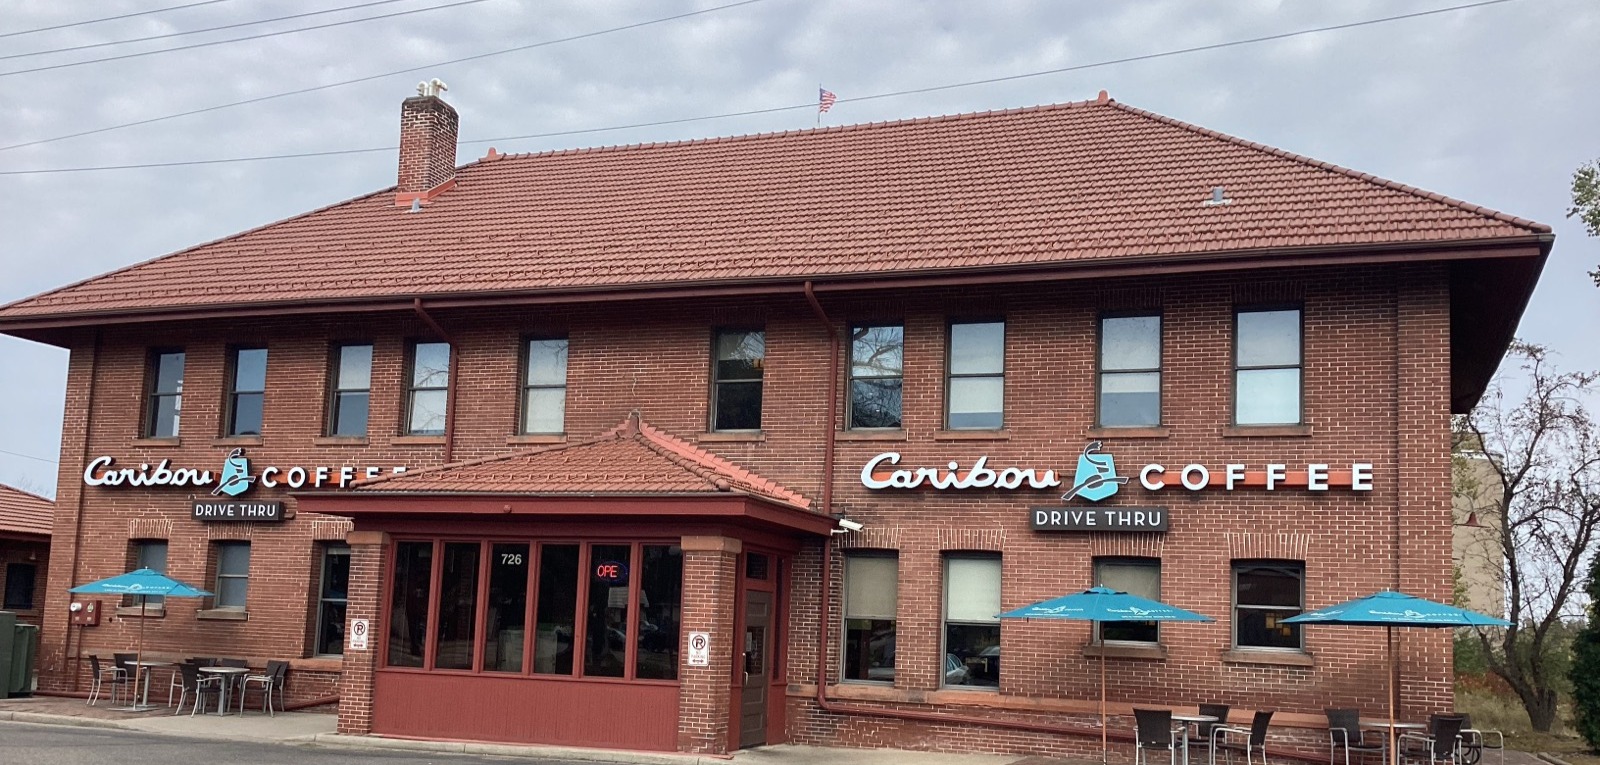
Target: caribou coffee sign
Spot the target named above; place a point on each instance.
(1096, 477)
(234, 479)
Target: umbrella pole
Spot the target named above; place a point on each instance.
(1394, 671)
(138, 656)
(1103, 745)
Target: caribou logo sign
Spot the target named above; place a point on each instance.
(235, 479)
(1097, 476)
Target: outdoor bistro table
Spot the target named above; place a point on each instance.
(143, 668)
(1187, 721)
(228, 675)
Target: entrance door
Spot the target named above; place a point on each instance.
(757, 668)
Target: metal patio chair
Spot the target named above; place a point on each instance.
(100, 675)
(196, 687)
(1252, 740)
(1442, 742)
(1344, 732)
(1475, 740)
(1153, 731)
(1202, 734)
(269, 681)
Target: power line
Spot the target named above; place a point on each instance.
(28, 456)
(113, 18)
(141, 54)
(369, 78)
(808, 105)
(197, 31)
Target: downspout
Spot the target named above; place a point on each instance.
(450, 391)
(823, 703)
(77, 520)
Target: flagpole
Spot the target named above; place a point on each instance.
(819, 104)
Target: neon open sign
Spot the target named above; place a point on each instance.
(611, 572)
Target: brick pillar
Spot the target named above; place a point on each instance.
(59, 646)
(710, 589)
(1423, 461)
(368, 551)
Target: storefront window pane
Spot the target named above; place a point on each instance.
(150, 554)
(332, 600)
(508, 608)
(660, 601)
(408, 603)
(458, 606)
(1135, 577)
(972, 624)
(606, 627)
(1264, 595)
(871, 595)
(558, 604)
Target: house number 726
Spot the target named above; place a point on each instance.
(510, 559)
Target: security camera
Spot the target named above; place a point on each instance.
(848, 525)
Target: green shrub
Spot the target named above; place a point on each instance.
(1585, 672)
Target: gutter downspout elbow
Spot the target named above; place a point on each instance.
(450, 391)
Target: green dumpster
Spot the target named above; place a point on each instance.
(19, 646)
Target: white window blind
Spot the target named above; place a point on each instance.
(972, 589)
(870, 586)
(1142, 579)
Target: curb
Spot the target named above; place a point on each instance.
(41, 718)
(1550, 758)
(514, 750)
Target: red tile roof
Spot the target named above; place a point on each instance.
(1068, 184)
(632, 459)
(24, 513)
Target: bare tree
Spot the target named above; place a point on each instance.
(1543, 456)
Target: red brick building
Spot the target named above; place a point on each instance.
(24, 552)
(718, 443)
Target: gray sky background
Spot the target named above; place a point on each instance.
(1494, 105)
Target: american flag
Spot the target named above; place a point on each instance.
(825, 99)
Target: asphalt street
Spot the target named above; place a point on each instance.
(25, 744)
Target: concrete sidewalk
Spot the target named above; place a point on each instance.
(316, 729)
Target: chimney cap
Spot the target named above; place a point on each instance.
(431, 88)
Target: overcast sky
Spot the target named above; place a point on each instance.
(1495, 105)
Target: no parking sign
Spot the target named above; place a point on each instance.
(699, 649)
(358, 634)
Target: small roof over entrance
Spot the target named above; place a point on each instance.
(634, 469)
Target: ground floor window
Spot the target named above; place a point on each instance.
(332, 595)
(1135, 576)
(20, 578)
(233, 575)
(971, 621)
(871, 594)
(615, 604)
(150, 554)
(1264, 594)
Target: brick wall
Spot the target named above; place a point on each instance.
(1376, 390)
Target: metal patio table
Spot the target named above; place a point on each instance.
(1189, 720)
(229, 675)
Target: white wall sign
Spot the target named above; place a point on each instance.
(360, 630)
(699, 649)
(234, 479)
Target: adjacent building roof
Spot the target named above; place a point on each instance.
(1069, 185)
(632, 459)
(25, 513)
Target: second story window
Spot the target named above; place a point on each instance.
(1267, 362)
(975, 382)
(1130, 371)
(877, 368)
(428, 389)
(351, 393)
(736, 383)
(166, 394)
(248, 373)
(544, 387)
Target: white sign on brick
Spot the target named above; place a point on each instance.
(359, 634)
(699, 649)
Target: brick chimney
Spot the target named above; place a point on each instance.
(427, 146)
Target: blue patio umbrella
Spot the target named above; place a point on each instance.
(1103, 604)
(1390, 609)
(143, 583)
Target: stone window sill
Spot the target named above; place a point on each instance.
(223, 614)
(732, 437)
(1266, 431)
(418, 441)
(1156, 652)
(536, 439)
(870, 435)
(972, 435)
(150, 612)
(1160, 431)
(339, 441)
(237, 441)
(157, 443)
(1269, 658)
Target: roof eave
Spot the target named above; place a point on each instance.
(47, 328)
